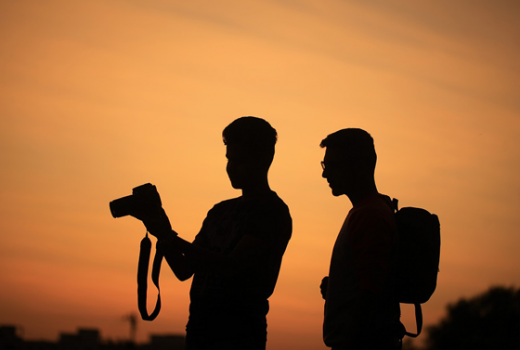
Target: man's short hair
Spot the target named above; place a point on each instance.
(355, 144)
(254, 135)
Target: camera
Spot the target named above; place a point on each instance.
(143, 201)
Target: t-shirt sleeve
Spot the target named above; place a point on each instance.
(200, 238)
(271, 223)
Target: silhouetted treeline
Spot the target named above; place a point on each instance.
(489, 321)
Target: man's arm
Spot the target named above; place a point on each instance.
(158, 225)
(182, 266)
(186, 258)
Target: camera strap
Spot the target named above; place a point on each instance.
(142, 279)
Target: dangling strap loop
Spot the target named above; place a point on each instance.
(418, 320)
(142, 279)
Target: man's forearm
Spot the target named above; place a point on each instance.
(203, 258)
(182, 266)
(243, 257)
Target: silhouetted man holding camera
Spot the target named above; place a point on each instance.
(361, 311)
(235, 258)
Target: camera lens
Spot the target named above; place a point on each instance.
(122, 206)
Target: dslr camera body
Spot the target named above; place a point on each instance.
(143, 202)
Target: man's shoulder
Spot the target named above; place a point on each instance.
(376, 203)
(277, 201)
(269, 206)
(273, 218)
(224, 205)
(273, 205)
(227, 202)
(374, 208)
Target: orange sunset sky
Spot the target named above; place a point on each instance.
(97, 97)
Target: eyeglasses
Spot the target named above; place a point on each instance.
(334, 164)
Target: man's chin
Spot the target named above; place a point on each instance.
(336, 192)
(236, 185)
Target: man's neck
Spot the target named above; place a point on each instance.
(256, 190)
(362, 192)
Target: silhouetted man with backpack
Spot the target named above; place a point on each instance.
(235, 258)
(361, 310)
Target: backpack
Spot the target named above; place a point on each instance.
(418, 258)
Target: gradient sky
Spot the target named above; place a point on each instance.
(97, 97)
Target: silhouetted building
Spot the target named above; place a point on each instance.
(39, 345)
(85, 339)
(9, 339)
(166, 342)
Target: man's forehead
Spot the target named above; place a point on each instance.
(333, 154)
